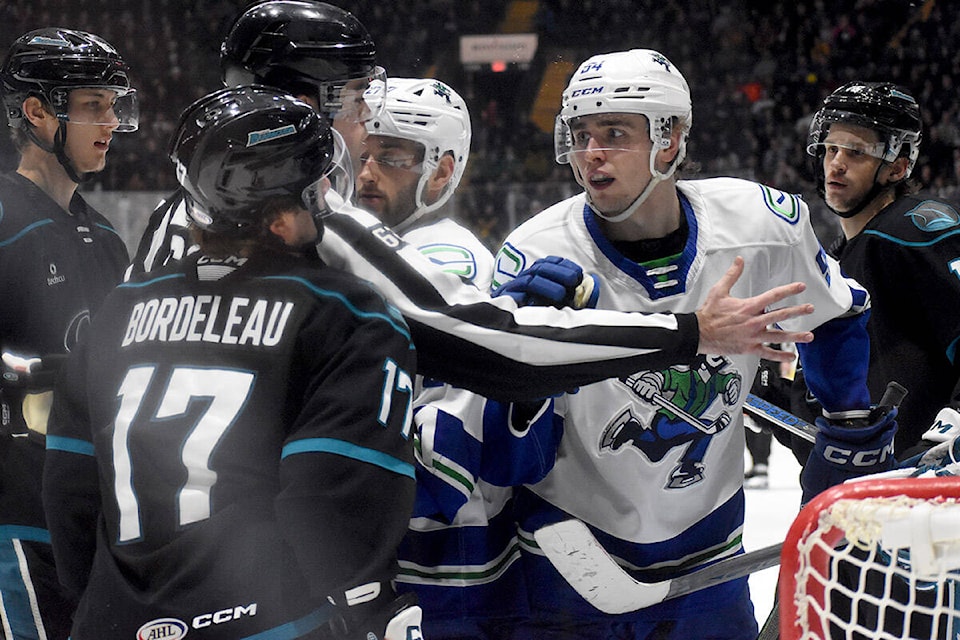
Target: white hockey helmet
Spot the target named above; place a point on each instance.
(640, 81)
(431, 113)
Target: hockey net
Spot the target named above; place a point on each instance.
(875, 559)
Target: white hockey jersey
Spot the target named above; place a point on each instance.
(653, 461)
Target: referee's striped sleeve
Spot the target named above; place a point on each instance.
(489, 345)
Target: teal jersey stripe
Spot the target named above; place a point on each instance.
(398, 326)
(349, 450)
(22, 532)
(296, 628)
(25, 231)
(147, 283)
(70, 445)
(906, 243)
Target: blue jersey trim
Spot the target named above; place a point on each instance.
(349, 450)
(27, 229)
(70, 445)
(907, 243)
(326, 293)
(651, 285)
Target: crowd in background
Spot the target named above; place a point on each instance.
(757, 70)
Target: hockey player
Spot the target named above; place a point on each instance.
(66, 93)
(228, 453)
(501, 350)
(653, 460)
(460, 555)
(905, 250)
(313, 50)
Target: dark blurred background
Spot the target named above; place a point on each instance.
(757, 70)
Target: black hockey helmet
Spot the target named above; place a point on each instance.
(882, 106)
(296, 45)
(238, 147)
(48, 63)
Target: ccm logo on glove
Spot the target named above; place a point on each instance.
(858, 458)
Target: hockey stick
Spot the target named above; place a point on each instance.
(588, 568)
(692, 420)
(782, 418)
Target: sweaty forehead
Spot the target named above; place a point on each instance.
(849, 133)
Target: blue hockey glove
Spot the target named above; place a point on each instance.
(847, 449)
(552, 281)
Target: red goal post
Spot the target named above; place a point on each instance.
(874, 559)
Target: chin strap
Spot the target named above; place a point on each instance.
(57, 149)
(626, 213)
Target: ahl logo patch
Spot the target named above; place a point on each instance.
(162, 629)
(784, 205)
(931, 215)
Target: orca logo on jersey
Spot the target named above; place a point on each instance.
(162, 629)
(931, 215)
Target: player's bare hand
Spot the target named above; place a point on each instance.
(731, 325)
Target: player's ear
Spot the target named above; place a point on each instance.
(898, 169)
(440, 176)
(35, 111)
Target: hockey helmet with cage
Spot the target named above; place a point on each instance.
(49, 63)
(431, 113)
(303, 47)
(640, 81)
(238, 147)
(881, 106)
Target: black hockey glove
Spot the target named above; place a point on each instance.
(849, 447)
(396, 619)
(30, 374)
(552, 281)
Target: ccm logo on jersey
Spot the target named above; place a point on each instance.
(173, 629)
(858, 458)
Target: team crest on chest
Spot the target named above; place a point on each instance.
(690, 404)
(783, 205)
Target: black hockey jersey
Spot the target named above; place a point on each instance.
(908, 258)
(56, 267)
(229, 448)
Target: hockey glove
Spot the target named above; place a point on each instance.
(940, 445)
(397, 619)
(552, 281)
(946, 427)
(847, 448)
(30, 374)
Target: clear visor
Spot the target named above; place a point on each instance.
(356, 100)
(338, 179)
(101, 106)
(568, 143)
(856, 149)
(392, 161)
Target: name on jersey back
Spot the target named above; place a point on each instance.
(208, 318)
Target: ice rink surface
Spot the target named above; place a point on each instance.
(769, 515)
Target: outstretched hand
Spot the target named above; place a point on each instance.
(731, 325)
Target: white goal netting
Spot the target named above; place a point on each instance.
(876, 559)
